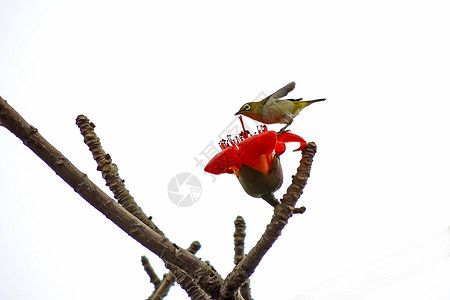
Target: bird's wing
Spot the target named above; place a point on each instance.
(280, 93)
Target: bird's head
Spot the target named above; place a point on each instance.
(250, 109)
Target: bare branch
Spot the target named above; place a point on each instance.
(117, 186)
(163, 288)
(201, 272)
(282, 213)
(239, 237)
(196, 276)
(188, 284)
(110, 172)
(169, 278)
(151, 273)
(299, 210)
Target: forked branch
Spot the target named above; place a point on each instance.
(205, 276)
(282, 213)
(198, 277)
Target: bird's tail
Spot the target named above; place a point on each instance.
(302, 104)
(308, 102)
(315, 100)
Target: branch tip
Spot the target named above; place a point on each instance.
(110, 172)
(150, 272)
(299, 210)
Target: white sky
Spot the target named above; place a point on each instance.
(161, 80)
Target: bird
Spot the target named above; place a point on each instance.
(272, 109)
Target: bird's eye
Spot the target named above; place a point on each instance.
(246, 107)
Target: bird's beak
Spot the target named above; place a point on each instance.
(238, 113)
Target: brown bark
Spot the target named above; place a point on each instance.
(150, 272)
(195, 274)
(110, 173)
(206, 276)
(169, 278)
(282, 213)
(239, 237)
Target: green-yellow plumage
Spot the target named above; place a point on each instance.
(272, 110)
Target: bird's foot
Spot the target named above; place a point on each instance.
(282, 130)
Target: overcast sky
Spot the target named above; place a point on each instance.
(162, 80)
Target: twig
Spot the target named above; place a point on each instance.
(151, 273)
(239, 237)
(169, 278)
(116, 185)
(163, 288)
(246, 291)
(282, 213)
(110, 172)
(299, 210)
(207, 278)
(189, 285)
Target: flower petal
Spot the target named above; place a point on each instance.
(263, 162)
(253, 147)
(224, 162)
(280, 148)
(287, 137)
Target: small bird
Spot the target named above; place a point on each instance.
(272, 109)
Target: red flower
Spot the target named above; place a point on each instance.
(256, 151)
(254, 159)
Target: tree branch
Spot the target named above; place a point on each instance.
(187, 283)
(201, 272)
(150, 272)
(282, 213)
(110, 172)
(196, 275)
(169, 278)
(239, 237)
